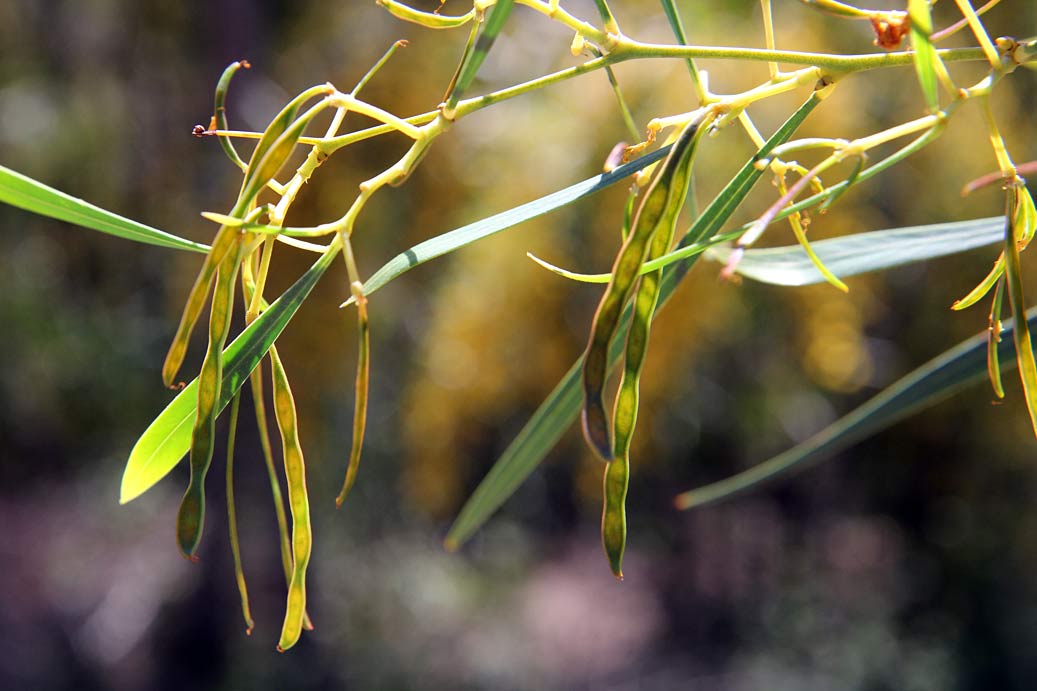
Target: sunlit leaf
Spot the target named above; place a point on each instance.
(25, 193)
(925, 56)
(458, 238)
(862, 252)
(167, 439)
(934, 381)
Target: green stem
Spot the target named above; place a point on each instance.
(628, 49)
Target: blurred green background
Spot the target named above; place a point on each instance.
(906, 563)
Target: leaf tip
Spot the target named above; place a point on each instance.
(683, 501)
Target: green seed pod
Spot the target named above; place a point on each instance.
(624, 418)
(658, 209)
(191, 517)
(614, 515)
(363, 374)
(298, 500)
(220, 110)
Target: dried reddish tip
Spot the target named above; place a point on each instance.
(245, 63)
(198, 130)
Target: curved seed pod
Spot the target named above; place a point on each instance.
(191, 516)
(275, 482)
(232, 518)
(298, 500)
(220, 110)
(363, 374)
(656, 211)
(624, 419)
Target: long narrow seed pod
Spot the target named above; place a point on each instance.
(232, 518)
(275, 482)
(653, 213)
(994, 338)
(363, 375)
(191, 517)
(624, 420)
(614, 513)
(298, 500)
(220, 111)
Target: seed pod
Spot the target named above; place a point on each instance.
(298, 500)
(220, 110)
(624, 419)
(275, 482)
(232, 519)
(658, 209)
(363, 374)
(191, 517)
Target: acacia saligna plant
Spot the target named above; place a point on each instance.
(653, 257)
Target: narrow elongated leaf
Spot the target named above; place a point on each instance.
(25, 193)
(962, 365)
(474, 60)
(1015, 230)
(166, 441)
(862, 252)
(459, 237)
(925, 56)
(559, 410)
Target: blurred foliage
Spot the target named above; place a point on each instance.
(905, 564)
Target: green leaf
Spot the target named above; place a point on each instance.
(855, 254)
(1014, 231)
(673, 17)
(167, 440)
(934, 381)
(925, 56)
(459, 237)
(474, 59)
(561, 407)
(25, 193)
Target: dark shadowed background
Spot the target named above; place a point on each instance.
(908, 562)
